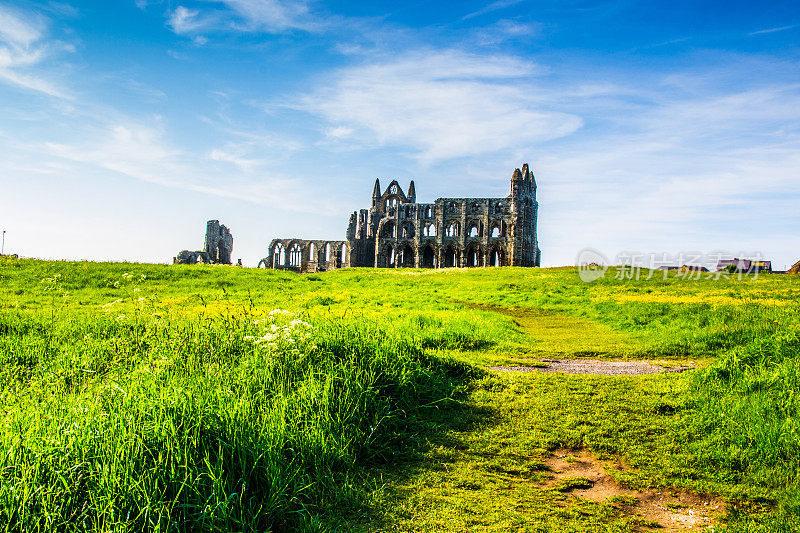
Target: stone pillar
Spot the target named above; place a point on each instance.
(462, 233)
(486, 231)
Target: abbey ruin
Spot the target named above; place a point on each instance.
(217, 250)
(396, 231)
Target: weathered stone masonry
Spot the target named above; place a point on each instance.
(218, 247)
(396, 231)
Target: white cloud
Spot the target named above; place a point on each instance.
(62, 9)
(440, 104)
(234, 158)
(339, 132)
(142, 151)
(22, 49)
(691, 171)
(32, 82)
(17, 30)
(506, 30)
(136, 150)
(180, 56)
(773, 30)
(273, 16)
(489, 8)
(184, 20)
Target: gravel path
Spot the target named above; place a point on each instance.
(593, 366)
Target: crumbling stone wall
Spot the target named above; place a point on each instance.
(396, 231)
(185, 257)
(219, 243)
(218, 247)
(302, 255)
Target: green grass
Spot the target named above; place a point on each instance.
(145, 397)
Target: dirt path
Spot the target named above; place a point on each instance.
(506, 476)
(593, 366)
(583, 476)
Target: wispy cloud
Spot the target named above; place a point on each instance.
(17, 30)
(234, 157)
(494, 6)
(773, 30)
(339, 132)
(439, 105)
(506, 30)
(686, 171)
(270, 16)
(184, 20)
(62, 9)
(135, 150)
(142, 150)
(143, 4)
(23, 48)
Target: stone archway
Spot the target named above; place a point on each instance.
(474, 256)
(387, 230)
(451, 257)
(388, 258)
(278, 255)
(428, 257)
(406, 257)
(496, 257)
(295, 256)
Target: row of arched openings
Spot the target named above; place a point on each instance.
(474, 229)
(295, 254)
(403, 256)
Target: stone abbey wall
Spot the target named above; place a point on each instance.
(219, 243)
(217, 250)
(307, 255)
(396, 231)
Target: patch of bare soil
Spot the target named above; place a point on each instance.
(665, 510)
(593, 366)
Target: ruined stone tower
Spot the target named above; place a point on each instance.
(219, 243)
(217, 250)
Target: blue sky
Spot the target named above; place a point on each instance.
(661, 127)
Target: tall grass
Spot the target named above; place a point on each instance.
(746, 422)
(217, 425)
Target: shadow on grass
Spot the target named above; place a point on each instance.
(441, 425)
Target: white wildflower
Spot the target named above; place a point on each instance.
(297, 323)
(269, 337)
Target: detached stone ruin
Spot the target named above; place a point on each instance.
(218, 247)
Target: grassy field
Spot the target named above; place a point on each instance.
(208, 398)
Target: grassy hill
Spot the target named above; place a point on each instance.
(210, 398)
